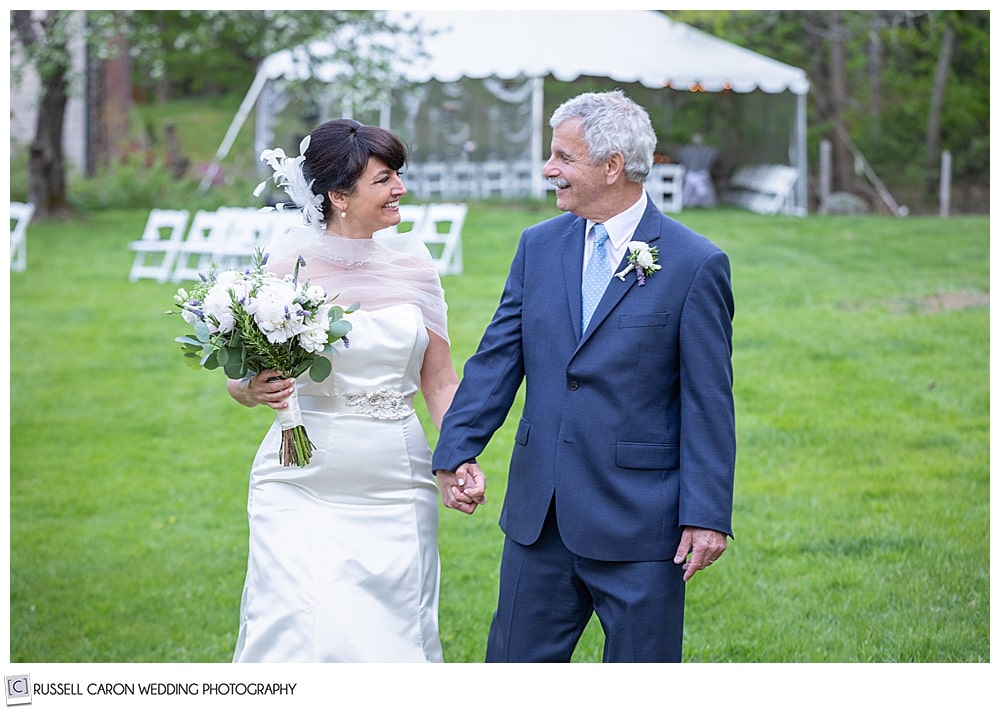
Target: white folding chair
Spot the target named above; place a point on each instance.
(413, 178)
(462, 181)
(156, 251)
(493, 178)
(242, 229)
(519, 178)
(442, 233)
(20, 217)
(279, 222)
(433, 180)
(411, 219)
(665, 185)
(205, 235)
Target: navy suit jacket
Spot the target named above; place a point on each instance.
(631, 426)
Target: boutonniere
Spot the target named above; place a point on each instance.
(642, 260)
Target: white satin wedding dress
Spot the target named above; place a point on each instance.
(343, 560)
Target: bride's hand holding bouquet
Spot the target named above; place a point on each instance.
(248, 322)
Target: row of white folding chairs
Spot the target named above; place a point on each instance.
(465, 180)
(172, 250)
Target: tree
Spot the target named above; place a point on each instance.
(176, 48)
(194, 52)
(836, 35)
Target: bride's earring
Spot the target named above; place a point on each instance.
(334, 198)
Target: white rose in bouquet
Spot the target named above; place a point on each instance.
(276, 311)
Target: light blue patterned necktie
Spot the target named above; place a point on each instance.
(597, 274)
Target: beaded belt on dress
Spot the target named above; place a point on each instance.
(379, 404)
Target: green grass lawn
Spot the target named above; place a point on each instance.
(861, 353)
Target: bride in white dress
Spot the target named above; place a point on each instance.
(343, 559)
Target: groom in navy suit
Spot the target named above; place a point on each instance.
(621, 479)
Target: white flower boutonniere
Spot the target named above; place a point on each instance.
(642, 260)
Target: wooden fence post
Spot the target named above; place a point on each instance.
(825, 168)
(944, 186)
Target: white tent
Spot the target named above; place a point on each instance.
(642, 46)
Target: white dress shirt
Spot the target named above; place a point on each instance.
(620, 228)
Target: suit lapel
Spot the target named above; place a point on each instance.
(572, 249)
(648, 230)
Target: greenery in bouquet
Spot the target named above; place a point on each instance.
(249, 321)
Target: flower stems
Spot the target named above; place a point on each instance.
(296, 448)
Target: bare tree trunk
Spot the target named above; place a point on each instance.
(46, 163)
(843, 163)
(932, 142)
(115, 101)
(875, 74)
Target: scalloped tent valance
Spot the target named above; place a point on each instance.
(643, 46)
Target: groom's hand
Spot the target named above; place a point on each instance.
(704, 547)
(463, 489)
(471, 482)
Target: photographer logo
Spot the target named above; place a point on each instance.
(18, 689)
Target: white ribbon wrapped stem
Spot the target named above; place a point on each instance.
(290, 416)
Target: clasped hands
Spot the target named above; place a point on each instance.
(463, 489)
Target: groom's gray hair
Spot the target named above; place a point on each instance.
(612, 122)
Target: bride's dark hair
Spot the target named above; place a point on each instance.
(339, 151)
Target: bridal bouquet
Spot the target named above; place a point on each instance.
(249, 321)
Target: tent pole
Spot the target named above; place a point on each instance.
(234, 128)
(801, 159)
(537, 121)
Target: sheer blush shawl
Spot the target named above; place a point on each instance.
(376, 273)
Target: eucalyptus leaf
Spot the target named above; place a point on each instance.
(320, 370)
(201, 331)
(338, 330)
(233, 369)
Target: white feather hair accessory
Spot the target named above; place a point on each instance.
(288, 176)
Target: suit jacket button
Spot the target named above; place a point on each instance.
(574, 385)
